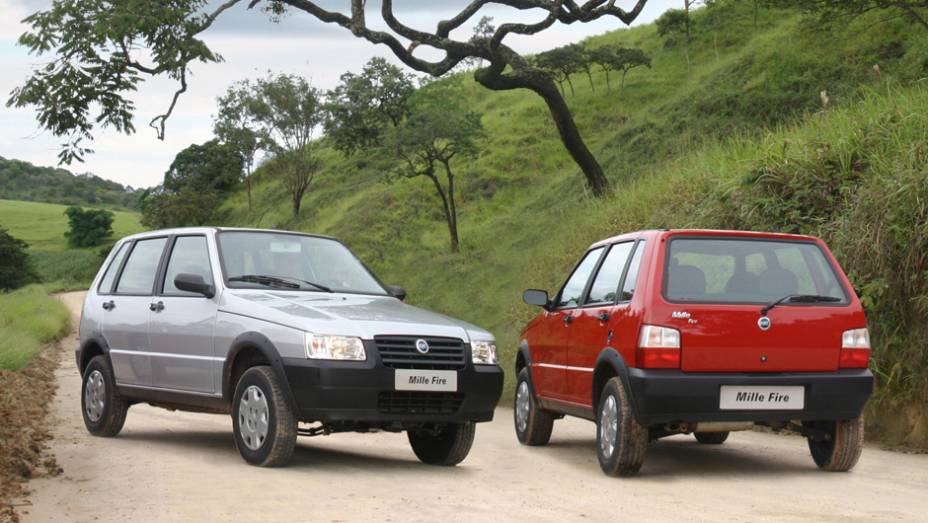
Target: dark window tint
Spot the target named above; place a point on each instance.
(747, 271)
(570, 294)
(631, 279)
(139, 275)
(106, 284)
(189, 256)
(607, 279)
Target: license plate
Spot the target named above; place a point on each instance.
(431, 380)
(753, 397)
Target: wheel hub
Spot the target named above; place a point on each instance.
(523, 406)
(253, 414)
(94, 396)
(608, 427)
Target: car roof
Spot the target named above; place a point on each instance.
(207, 230)
(665, 233)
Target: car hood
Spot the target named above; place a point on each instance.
(360, 315)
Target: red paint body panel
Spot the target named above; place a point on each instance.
(714, 337)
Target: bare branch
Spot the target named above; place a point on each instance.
(157, 123)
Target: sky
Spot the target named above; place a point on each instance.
(251, 46)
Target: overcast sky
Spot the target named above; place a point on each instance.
(251, 46)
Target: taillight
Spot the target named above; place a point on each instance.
(855, 349)
(658, 348)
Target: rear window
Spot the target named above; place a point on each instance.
(714, 270)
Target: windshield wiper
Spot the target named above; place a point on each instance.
(277, 281)
(798, 298)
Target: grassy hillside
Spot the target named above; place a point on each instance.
(21, 180)
(736, 136)
(42, 226)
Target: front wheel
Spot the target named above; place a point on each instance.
(533, 425)
(103, 409)
(445, 445)
(841, 449)
(262, 419)
(620, 440)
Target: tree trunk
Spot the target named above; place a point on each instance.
(571, 84)
(449, 216)
(624, 72)
(608, 85)
(297, 203)
(589, 75)
(539, 82)
(248, 190)
(453, 225)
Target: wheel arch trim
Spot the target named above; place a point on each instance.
(261, 343)
(611, 361)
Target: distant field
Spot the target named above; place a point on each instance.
(42, 225)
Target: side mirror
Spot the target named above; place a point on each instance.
(536, 297)
(194, 283)
(397, 292)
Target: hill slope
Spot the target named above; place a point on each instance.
(733, 137)
(21, 180)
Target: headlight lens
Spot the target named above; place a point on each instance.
(484, 353)
(325, 347)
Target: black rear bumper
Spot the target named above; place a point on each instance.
(664, 396)
(364, 392)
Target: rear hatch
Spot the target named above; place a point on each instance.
(718, 287)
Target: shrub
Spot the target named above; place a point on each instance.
(16, 268)
(88, 227)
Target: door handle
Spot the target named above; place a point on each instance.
(603, 316)
(109, 305)
(568, 319)
(156, 307)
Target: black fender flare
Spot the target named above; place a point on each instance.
(609, 359)
(526, 356)
(100, 341)
(261, 343)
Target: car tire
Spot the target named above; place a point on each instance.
(621, 441)
(842, 450)
(533, 425)
(103, 409)
(445, 445)
(262, 419)
(711, 438)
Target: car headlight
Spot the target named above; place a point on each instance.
(484, 353)
(326, 347)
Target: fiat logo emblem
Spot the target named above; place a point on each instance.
(763, 323)
(422, 346)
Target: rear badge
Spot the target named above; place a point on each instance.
(763, 323)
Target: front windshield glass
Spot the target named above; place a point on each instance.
(293, 262)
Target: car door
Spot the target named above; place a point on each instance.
(601, 318)
(126, 313)
(182, 323)
(549, 347)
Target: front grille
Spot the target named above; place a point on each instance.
(399, 352)
(402, 402)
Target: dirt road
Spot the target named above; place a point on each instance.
(183, 467)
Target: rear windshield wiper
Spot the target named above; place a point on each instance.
(799, 298)
(278, 281)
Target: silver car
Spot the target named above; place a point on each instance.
(289, 333)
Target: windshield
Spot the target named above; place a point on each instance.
(714, 270)
(293, 262)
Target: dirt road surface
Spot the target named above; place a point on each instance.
(169, 466)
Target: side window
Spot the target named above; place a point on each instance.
(138, 277)
(631, 278)
(106, 284)
(570, 294)
(190, 255)
(606, 283)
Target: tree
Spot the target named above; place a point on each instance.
(830, 11)
(584, 62)
(362, 105)
(88, 228)
(193, 186)
(437, 131)
(233, 126)
(618, 59)
(96, 60)
(560, 63)
(16, 267)
(672, 25)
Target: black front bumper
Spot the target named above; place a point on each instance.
(364, 392)
(664, 396)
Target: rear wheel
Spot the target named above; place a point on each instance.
(262, 419)
(711, 438)
(103, 409)
(445, 445)
(621, 441)
(842, 448)
(533, 425)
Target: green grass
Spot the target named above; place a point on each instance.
(737, 139)
(29, 319)
(42, 226)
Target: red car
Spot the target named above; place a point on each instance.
(657, 333)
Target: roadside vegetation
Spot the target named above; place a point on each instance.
(29, 319)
